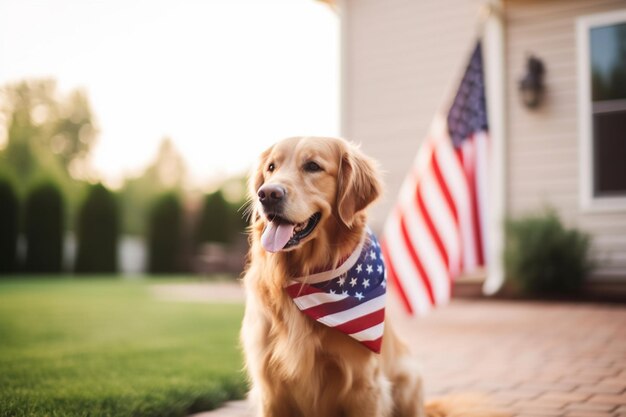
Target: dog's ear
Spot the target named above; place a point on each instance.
(358, 184)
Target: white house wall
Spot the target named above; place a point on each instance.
(543, 145)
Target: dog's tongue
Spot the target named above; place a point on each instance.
(275, 236)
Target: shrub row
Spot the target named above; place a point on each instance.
(43, 229)
(98, 230)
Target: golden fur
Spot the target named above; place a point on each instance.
(298, 367)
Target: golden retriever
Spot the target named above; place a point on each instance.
(309, 196)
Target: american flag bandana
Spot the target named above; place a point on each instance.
(349, 298)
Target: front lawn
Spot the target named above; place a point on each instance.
(107, 347)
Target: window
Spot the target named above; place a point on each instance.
(602, 110)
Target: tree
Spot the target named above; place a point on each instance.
(165, 235)
(73, 132)
(98, 232)
(44, 212)
(48, 136)
(9, 214)
(37, 116)
(217, 220)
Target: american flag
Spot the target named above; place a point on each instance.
(349, 298)
(437, 229)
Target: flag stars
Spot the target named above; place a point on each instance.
(384, 283)
(344, 292)
(359, 268)
(341, 281)
(353, 282)
(359, 296)
(379, 269)
(369, 269)
(372, 254)
(332, 292)
(366, 283)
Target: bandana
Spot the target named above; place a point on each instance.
(349, 298)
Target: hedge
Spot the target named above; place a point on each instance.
(43, 219)
(98, 232)
(9, 219)
(217, 220)
(165, 235)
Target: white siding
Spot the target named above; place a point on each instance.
(543, 163)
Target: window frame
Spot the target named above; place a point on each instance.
(589, 202)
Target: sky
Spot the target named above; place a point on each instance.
(223, 78)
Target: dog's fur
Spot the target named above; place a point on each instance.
(298, 367)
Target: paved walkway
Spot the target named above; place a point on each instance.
(534, 358)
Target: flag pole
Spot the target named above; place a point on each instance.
(492, 30)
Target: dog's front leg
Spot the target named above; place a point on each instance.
(370, 399)
(272, 401)
(267, 396)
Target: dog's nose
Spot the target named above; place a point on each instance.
(271, 194)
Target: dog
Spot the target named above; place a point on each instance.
(308, 201)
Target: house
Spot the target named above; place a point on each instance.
(402, 60)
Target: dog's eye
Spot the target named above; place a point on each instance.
(271, 167)
(312, 167)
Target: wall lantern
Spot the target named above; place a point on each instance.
(531, 85)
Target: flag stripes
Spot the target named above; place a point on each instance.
(368, 320)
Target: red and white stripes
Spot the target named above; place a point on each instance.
(436, 230)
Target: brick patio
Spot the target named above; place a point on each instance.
(537, 359)
(534, 358)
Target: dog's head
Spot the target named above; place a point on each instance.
(306, 187)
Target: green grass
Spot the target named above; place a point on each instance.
(107, 347)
